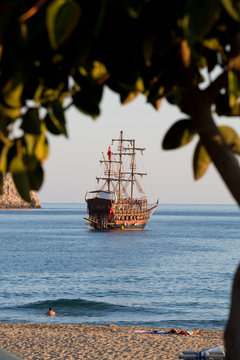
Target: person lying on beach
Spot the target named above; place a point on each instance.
(51, 312)
(172, 331)
(184, 332)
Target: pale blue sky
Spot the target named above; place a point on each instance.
(73, 164)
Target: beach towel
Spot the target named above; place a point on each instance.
(183, 332)
(150, 332)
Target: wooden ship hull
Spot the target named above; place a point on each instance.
(113, 208)
(105, 214)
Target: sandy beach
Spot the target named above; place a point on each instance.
(70, 342)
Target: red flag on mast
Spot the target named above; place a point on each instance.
(109, 152)
(111, 210)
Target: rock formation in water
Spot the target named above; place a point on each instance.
(10, 198)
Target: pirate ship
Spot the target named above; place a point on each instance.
(114, 206)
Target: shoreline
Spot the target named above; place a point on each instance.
(99, 342)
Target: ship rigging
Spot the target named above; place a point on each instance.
(111, 206)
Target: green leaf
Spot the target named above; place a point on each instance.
(49, 96)
(59, 114)
(235, 110)
(201, 161)
(157, 103)
(38, 93)
(4, 123)
(42, 148)
(176, 97)
(4, 157)
(233, 89)
(55, 119)
(30, 141)
(148, 46)
(231, 138)
(201, 16)
(138, 88)
(180, 134)
(1, 182)
(30, 162)
(139, 85)
(9, 112)
(156, 91)
(123, 83)
(213, 44)
(52, 128)
(231, 10)
(20, 177)
(36, 177)
(87, 103)
(12, 94)
(98, 71)
(31, 122)
(62, 17)
(128, 97)
(36, 149)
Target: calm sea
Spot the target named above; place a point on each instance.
(176, 273)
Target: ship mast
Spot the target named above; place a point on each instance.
(109, 171)
(120, 163)
(120, 175)
(133, 165)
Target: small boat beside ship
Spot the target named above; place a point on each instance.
(120, 202)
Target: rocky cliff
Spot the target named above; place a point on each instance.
(10, 197)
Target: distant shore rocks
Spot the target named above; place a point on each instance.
(10, 198)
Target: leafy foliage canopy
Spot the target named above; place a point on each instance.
(58, 53)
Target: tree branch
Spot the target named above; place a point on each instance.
(212, 91)
(199, 108)
(32, 11)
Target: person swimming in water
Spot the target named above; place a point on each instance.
(51, 312)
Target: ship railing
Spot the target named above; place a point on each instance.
(128, 207)
(141, 200)
(130, 211)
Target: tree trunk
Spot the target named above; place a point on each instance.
(232, 331)
(223, 158)
(199, 108)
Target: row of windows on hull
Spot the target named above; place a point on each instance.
(130, 218)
